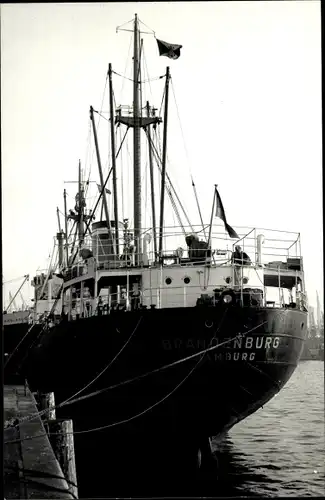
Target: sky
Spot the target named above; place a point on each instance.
(247, 89)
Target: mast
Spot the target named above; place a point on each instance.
(152, 186)
(137, 121)
(113, 158)
(80, 207)
(101, 178)
(66, 227)
(136, 144)
(163, 169)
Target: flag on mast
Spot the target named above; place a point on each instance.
(220, 212)
(168, 49)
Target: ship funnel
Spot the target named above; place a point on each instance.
(259, 243)
(102, 242)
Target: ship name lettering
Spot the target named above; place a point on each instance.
(167, 345)
(268, 342)
(259, 342)
(249, 342)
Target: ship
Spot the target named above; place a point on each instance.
(167, 336)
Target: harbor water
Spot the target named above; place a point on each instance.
(278, 451)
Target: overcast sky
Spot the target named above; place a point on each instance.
(248, 92)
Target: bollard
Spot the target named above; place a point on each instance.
(62, 441)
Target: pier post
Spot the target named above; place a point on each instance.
(61, 439)
(46, 402)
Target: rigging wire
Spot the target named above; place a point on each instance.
(121, 25)
(172, 188)
(153, 32)
(87, 157)
(102, 116)
(126, 66)
(89, 132)
(14, 279)
(154, 78)
(167, 186)
(182, 132)
(106, 367)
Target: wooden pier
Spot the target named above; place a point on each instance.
(31, 469)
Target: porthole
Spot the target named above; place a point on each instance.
(168, 281)
(187, 280)
(302, 325)
(245, 281)
(228, 279)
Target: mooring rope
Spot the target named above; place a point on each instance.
(17, 346)
(201, 353)
(30, 417)
(104, 369)
(170, 365)
(42, 474)
(45, 325)
(43, 412)
(139, 377)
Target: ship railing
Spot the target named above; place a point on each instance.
(270, 250)
(276, 244)
(175, 296)
(272, 260)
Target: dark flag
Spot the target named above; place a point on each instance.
(221, 214)
(169, 50)
(100, 189)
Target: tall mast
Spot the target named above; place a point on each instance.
(137, 121)
(113, 158)
(108, 222)
(136, 144)
(163, 168)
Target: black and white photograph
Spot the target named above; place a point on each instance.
(162, 249)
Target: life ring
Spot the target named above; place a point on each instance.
(231, 301)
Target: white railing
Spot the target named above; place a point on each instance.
(176, 296)
(277, 246)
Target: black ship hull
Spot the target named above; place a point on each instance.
(180, 406)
